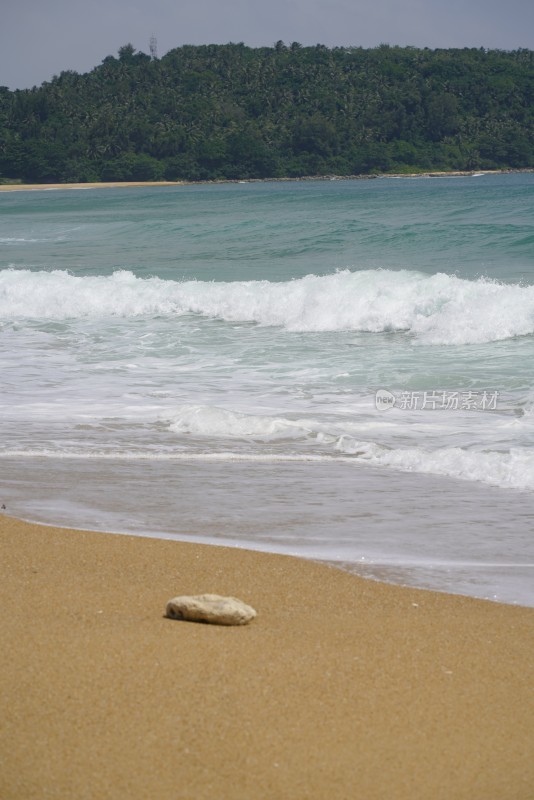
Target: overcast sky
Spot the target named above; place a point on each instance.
(40, 38)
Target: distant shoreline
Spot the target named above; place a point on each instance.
(21, 187)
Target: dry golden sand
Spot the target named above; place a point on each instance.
(341, 688)
(24, 187)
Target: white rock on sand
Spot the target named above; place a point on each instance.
(210, 608)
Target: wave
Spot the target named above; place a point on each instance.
(219, 422)
(12, 239)
(314, 441)
(513, 468)
(436, 309)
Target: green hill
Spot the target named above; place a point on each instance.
(234, 112)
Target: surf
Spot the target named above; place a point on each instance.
(437, 309)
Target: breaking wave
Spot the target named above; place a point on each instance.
(513, 468)
(436, 309)
(313, 441)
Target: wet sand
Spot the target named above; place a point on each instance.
(341, 688)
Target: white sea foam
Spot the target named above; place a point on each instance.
(12, 239)
(145, 455)
(219, 422)
(215, 422)
(437, 309)
(513, 468)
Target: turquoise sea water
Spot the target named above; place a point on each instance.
(336, 369)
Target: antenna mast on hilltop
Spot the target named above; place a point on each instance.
(153, 48)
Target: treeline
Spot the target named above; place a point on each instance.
(234, 112)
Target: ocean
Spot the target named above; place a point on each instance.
(341, 370)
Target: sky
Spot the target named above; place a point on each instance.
(41, 38)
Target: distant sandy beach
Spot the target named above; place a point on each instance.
(341, 688)
(25, 187)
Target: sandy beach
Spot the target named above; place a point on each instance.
(341, 688)
(24, 187)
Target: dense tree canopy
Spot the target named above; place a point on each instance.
(230, 111)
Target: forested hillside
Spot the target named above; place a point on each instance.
(230, 111)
